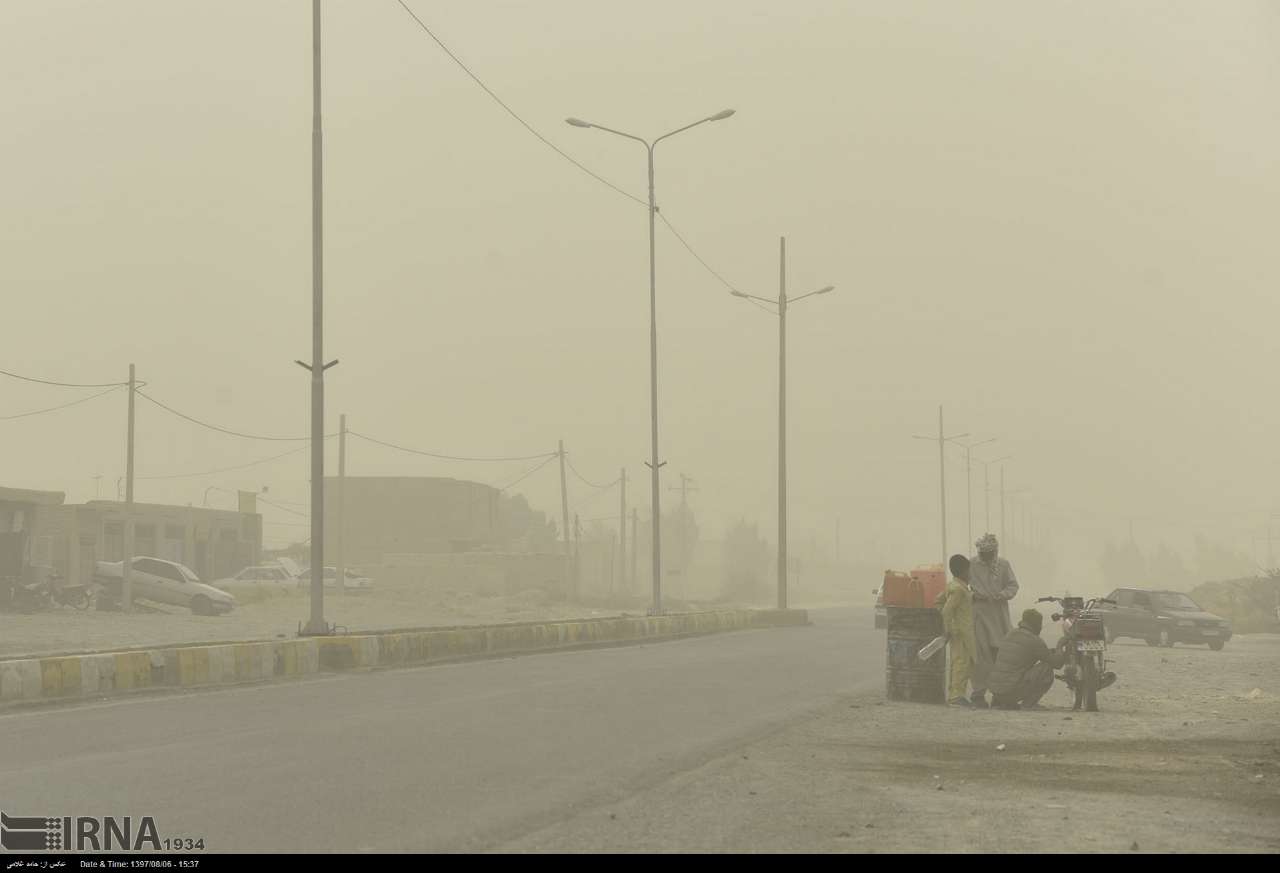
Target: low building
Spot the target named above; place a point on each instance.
(22, 518)
(397, 515)
(213, 542)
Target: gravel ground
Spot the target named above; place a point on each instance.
(1184, 757)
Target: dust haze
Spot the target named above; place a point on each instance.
(1054, 222)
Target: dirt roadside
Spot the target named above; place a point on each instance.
(1184, 757)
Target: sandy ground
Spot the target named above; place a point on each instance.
(270, 612)
(1184, 757)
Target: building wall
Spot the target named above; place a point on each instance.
(408, 515)
(212, 542)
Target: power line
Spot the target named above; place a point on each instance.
(388, 445)
(585, 480)
(62, 384)
(262, 499)
(524, 476)
(227, 469)
(61, 406)
(512, 112)
(214, 427)
(561, 152)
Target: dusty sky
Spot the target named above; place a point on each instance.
(1056, 219)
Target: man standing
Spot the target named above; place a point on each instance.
(994, 585)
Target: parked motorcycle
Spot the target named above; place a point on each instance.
(1084, 638)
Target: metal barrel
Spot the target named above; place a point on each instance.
(906, 676)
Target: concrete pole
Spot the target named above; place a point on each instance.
(622, 531)
(782, 423)
(317, 624)
(577, 555)
(942, 479)
(654, 464)
(635, 550)
(126, 593)
(564, 513)
(968, 479)
(340, 559)
(986, 496)
(1002, 537)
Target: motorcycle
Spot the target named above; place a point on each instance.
(1085, 643)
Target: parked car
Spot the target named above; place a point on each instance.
(255, 575)
(167, 582)
(1162, 618)
(882, 614)
(353, 582)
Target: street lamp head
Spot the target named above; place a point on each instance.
(740, 294)
(826, 290)
(578, 122)
(721, 115)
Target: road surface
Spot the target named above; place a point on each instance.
(457, 757)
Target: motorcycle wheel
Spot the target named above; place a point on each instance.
(1089, 684)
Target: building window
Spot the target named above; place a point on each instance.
(175, 532)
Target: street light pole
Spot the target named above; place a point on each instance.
(968, 476)
(942, 478)
(653, 464)
(783, 302)
(316, 625)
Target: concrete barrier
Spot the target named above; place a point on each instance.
(102, 674)
(106, 673)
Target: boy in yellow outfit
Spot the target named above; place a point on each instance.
(957, 619)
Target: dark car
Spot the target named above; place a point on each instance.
(1162, 618)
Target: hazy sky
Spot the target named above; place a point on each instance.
(1056, 219)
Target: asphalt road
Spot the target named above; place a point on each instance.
(449, 758)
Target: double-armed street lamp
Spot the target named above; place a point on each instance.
(782, 303)
(653, 464)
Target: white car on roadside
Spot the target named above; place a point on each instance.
(166, 582)
(265, 574)
(353, 582)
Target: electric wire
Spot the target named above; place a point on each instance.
(427, 454)
(60, 406)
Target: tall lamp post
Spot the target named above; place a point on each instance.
(942, 440)
(782, 303)
(986, 488)
(968, 477)
(654, 464)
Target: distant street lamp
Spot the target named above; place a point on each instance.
(782, 303)
(656, 609)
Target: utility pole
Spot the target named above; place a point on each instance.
(635, 547)
(577, 555)
(564, 513)
(943, 439)
(968, 476)
(316, 626)
(340, 560)
(126, 568)
(684, 490)
(1002, 537)
(783, 302)
(782, 422)
(622, 531)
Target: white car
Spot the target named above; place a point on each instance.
(353, 582)
(167, 582)
(259, 575)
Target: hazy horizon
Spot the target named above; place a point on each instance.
(1055, 220)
